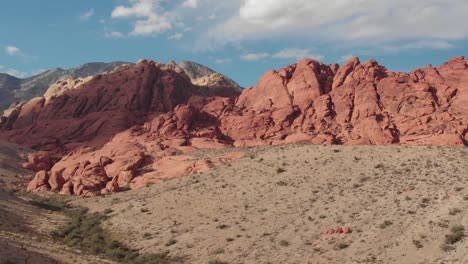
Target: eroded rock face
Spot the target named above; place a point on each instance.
(316, 103)
(138, 124)
(92, 111)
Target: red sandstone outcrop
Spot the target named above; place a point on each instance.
(125, 129)
(95, 110)
(337, 231)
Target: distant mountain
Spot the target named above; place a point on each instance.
(197, 71)
(13, 89)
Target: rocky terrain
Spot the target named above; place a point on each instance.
(120, 130)
(199, 73)
(243, 199)
(14, 90)
(25, 227)
(278, 204)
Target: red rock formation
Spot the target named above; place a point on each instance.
(135, 119)
(339, 230)
(99, 108)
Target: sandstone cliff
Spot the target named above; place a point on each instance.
(125, 129)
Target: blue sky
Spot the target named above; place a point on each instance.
(240, 38)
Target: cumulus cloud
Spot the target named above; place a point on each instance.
(150, 17)
(345, 58)
(255, 56)
(402, 24)
(421, 44)
(223, 60)
(358, 21)
(114, 34)
(190, 3)
(296, 54)
(87, 15)
(176, 36)
(12, 50)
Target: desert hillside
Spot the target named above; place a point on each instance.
(316, 164)
(403, 205)
(272, 207)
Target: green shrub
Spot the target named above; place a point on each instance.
(48, 204)
(84, 231)
(456, 235)
(341, 245)
(386, 224)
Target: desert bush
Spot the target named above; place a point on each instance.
(280, 170)
(386, 224)
(456, 235)
(84, 231)
(171, 242)
(341, 245)
(454, 211)
(218, 251)
(417, 243)
(217, 262)
(48, 203)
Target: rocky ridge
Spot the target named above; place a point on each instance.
(133, 126)
(14, 90)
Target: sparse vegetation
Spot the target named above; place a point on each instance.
(84, 232)
(456, 235)
(280, 170)
(218, 251)
(48, 203)
(454, 211)
(217, 262)
(417, 243)
(386, 224)
(282, 183)
(171, 242)
(341, 245)
(284, 243)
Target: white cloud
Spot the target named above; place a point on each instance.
(12, 50)
(114, 34)
(151, 19)
(206, 18)
(223, 61)
(2, 67)
(342, 23)
(421, 44)
(87, 15)
(296, 54)
(190, 3)
(176, 36)
(345, 58)
(363, 22)
(255, 56)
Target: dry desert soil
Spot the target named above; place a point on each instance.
(403, 205)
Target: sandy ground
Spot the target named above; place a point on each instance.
(11, 171)
(272, 206)
(24, 228)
